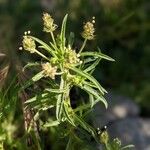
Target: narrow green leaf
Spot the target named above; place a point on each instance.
(55, 48)
(58, 91)
(38, 76)
(89, 84)
(85, 126)
(63, 30)
(92, 66)
(87, 60)
(67, 115)
(91, 98)
(60, 100)
(82, 107)
(44, 45)
(97, 54)
(69, 144)
(35, 78)
(33, 99)
(89, 77)
(28, 65)
(51, 123)
(96, 94)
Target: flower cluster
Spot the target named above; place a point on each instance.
(49, 70)
(104, 137)
(88, 30)
(71, 56)
(49, 25)
(28, 43)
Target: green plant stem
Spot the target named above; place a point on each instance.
(41, 55)
(52, 35)
(83, 45)
(107, 146)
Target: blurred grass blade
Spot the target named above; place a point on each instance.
(127, 147)
(35, 78)
(70, 144)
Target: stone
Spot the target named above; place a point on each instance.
(134, 131)
(118, 107)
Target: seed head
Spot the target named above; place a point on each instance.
(88, 30)
(49, 25)
(71, 56)
(49, 71)
(104, 137)
(28, 44)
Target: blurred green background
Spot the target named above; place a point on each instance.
(122, 32)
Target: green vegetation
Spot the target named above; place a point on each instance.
(122, 28)
(122, 31)
(49, 111)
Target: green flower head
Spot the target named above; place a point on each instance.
(88, 30)
(49, 70)
(29, 44)
(49, 25)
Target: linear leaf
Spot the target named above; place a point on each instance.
(89, 77)
(51, 123)
(38, 76)
(33, 99)
(69, 144)
(44, 45)
(35, 78)
(69, 118)
(96, 94)
(87, 60)
(28, 65)
(82, 107)
(58, 91)
(91, 98)
(93, 66)
(60, 100)
(97, 54)
(85, 126)
(89, 84)
(63, 30)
